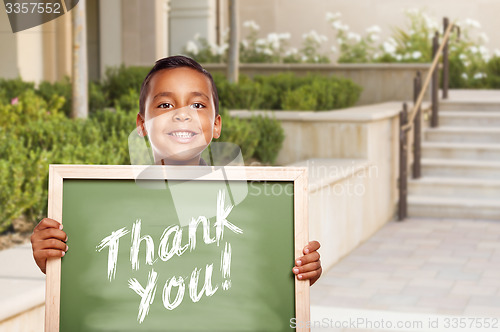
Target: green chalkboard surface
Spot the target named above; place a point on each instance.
(179, 255)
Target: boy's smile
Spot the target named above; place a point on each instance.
(179, 117)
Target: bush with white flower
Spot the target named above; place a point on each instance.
(271, 49)
(354, 48)
(469, 57)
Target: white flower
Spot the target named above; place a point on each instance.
(376, 56)
(222, 49)
(374, 37)
(197, 36)
(334, 49)
(399, 57)
(431, 24)
(291, 51)
(260, 42)
(473, 49)
(472, 23)
(191, 47)
(340, 41)
(411, 32)
(339, 26)
(245, 43)
(354, 36)
(466, 63)
(462, 57)
(274, 40)
(406, 56)
(314, 36)
(267, 51)
(315, 58)
(464, 76)
(374, 29)
(413, 11)
(214, 49)
(332, 16)
(304, 58)
(389, 47)
(478, 76)
(484, 37)
(251, 25)
(416, 55)
(284, 36)
(496, 52)
(483, 50)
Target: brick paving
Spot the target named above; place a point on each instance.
(419, 266)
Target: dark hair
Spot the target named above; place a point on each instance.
(173, 62)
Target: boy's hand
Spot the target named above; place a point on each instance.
(48, 240)
(309, 265)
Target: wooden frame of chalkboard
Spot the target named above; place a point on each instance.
(58, 174)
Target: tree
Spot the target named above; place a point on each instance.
(233, 62)
(79, 73)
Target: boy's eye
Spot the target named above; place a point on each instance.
(197, 105)
(165, 105)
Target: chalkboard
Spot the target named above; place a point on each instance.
(159, 248)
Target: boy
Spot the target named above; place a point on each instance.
(179, 112)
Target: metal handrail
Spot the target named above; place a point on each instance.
(435, 61)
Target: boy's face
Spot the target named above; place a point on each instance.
(179, 116)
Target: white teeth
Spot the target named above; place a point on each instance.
(183, 134)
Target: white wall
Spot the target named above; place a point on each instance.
(8, 67)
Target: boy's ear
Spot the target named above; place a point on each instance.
(140, 125)
(217, 126)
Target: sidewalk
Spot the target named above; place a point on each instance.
(419, 266)
(22, 290)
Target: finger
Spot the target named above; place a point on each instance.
(311, 246)
(47, 223)
(313, 275)
(48, 253)
(312, 257)
(49, 233)
(307, 268)
(50, 244)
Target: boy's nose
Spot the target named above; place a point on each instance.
(182, 115)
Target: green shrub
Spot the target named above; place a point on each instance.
(286, 91)
(63, 88)
(271, 137)
(12, 88)
(241, 132)
(302, 98)
(118, 81)
(129, 101)
(493, 73)
(98, 98)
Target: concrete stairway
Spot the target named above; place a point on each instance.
(460, 162)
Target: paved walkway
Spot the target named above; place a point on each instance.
(417, 268)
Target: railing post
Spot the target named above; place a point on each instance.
(435, 83)
(417, 87)
(403, 164)
(446, 63)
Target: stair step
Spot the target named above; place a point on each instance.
(459, 150)
(487, 106)
(463, 134)
(460, 168)
(455, 187)
(464, 208)
(464, 119)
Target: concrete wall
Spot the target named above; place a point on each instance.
(380, 82)
(353, 161)
(188, 18)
